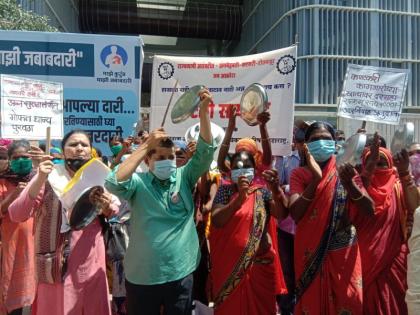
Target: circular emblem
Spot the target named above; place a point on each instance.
(166, 70)
(286, 64)
(175, 198)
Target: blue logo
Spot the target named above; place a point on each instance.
(114, 57)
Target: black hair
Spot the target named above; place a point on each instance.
(369, 140)
(73, 132)
(18, 144)
(165, 143)
(238, 155)
(43, 146)
(116, 138)
(318, 125)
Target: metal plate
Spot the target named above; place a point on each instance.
(83, 212)
(403, 137)
(194, 131)
(186, 105)
(352, 150)
(254, 101)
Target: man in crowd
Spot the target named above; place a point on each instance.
(163, 250)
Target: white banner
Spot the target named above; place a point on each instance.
(227, 78)
(373, 94)
(29, 106)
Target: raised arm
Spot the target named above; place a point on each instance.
(263, 119)
(5, 203)
(299, 202)
(129, 166)
(224, 148)
(356, 192)
(279, 202)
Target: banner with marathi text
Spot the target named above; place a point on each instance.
(373, 94)
(100, 75)
(226, 79)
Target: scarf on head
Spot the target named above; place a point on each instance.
(382, 182)
(249, 145)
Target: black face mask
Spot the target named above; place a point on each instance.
(75, 164)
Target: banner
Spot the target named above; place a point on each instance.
(226, 79)
(29, 106)
(100, 76)
(373, 94)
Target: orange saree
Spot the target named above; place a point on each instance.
(245, 281)
(327, 258)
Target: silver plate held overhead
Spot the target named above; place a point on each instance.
(186, 105)
(254, 101)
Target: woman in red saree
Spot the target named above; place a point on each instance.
(245, 268)
(327, 259)
(382, 238)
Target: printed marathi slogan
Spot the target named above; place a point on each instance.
(226, 79)
(29, 106)
(373, 94)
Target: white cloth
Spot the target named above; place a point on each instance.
(58, 179)
(412, 296)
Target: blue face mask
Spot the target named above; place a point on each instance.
(164, 169)
(248, 172)
(58, 161)
(321, 150)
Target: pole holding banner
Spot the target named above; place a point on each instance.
(48, 141)
(169, 104)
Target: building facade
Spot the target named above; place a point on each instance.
(63, 14)
(331, 34)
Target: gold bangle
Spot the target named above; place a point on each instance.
(358, 198)
(306, 199)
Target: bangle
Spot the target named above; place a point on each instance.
(358, 198)
(306, 199)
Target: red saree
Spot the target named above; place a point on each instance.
(327, 258)
(382, 245)
(244, 282)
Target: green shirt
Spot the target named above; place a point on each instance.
(163, 243)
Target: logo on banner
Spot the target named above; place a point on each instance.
(114, 57)
(166, 70)
(286, 64)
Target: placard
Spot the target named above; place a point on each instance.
(29, 106)
(226, 79)
(373, 94)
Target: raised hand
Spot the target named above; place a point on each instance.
(45, 167)
(373, 157)
(243, 187)
(21, 186)
(231, 112)
(155, 137)
(263, 118)
(312, 164)
(205, 97)
(346, 174)
(402, 161)
(272, 179)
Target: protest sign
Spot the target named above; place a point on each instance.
(100, 75)
(29, 106)
(373, 94)
(226, 79)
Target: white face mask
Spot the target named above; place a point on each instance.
(164, 169)
(247, 172)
